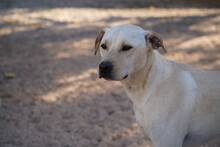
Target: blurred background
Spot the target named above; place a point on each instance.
(50, 94)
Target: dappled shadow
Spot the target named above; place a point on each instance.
(45, 4)
(193, 39)
(55, 98)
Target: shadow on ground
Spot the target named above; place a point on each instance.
(55, 98)
(45, 4)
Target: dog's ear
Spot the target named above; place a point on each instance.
(98, 40)
(156, 41)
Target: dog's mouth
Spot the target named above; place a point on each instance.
(125, 77)
(111, 78)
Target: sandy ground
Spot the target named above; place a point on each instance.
(49, 91)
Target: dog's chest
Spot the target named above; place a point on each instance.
(139, 115)
(142, 120)
(141, 111)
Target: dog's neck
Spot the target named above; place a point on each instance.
(138, 79)
(145, 80)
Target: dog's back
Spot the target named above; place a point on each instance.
(206, 112)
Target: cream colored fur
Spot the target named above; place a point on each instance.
(175, 104)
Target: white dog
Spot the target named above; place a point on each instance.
(175, 104)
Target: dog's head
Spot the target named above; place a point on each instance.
(124, 49)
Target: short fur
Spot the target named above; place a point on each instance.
(175, 104)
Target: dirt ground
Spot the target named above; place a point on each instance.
(49, 91)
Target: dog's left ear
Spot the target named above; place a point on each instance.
(98, 40)
(156, 41)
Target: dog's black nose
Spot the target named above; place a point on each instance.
(105, 69)
(106, 66)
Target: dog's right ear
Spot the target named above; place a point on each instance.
(98, 40)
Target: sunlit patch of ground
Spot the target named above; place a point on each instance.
(56, 99)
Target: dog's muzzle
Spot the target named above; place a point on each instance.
(105, 70)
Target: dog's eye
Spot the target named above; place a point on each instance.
(104, 46)
(126, 47)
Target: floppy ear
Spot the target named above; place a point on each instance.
(156, 42)
(98, 40)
